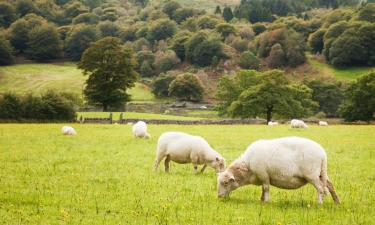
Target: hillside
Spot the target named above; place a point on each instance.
(208, 5)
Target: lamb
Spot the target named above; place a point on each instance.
(323, 123)
(184, 148)
(287, 163)
(140, 130)
(273, 123)
(67, 130)
(294, 123)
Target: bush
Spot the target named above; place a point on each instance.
(165, 61)
(161, 29)
(87, 18)
(249, 61)
(108, 29)
(277, 57)
(181, 14)
(225, 29)
(49, 106)
(316, 42)
(160, 86)
(170, 7)
(7, 14)
(258, 28)
(6, 51)
(187, 87)
(178, 43)
(79, 39)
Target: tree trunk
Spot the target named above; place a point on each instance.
(269, 114)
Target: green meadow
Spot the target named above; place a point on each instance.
(104, 175)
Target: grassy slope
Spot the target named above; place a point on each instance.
(37, 78)
(208, 5)
(341, 74)
(103, 176)
(135, 115)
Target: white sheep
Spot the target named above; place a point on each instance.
(140, 130)
(67, 130)
(185, 148)
(287, 163)
(273, 123)
(294, 123)
(323, 123)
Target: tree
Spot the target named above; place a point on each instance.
(367, 13)
(178, 43)
(359, 103)
(181, 14)
(24, 7)
(187, 87)
(161, 29)
(170, 7)
(108, 29)
(251, 94)
(160, 86)
(87, 18)
(277, 57)
(165, 61)
(110, 66)
(249, 61)
(11, 106)
(329, 95)
(79, 39)
(7, 14)
(225, 29)
(6, 51)
(259, 28)
(316, 42)
(44, 43)
(227, 13)
(218, 10)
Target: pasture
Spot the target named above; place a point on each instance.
(104, 176)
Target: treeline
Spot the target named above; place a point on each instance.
(50, 106)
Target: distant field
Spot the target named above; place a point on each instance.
(37, 78)
(104, 176)
(341, 74)
(135, 115)
(208, 5)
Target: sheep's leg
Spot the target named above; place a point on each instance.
(333, 192)
(265, 193)
(157, 161)
(166, 163)
(203, 168)
(319, 188)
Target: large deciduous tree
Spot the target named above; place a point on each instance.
(186, 86)
(110, 66)
(251, 94)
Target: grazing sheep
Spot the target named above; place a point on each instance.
(294, 123)
(185, 148)
(273, 123)
(287, 163)
(67, 130)
(323, 123)
(140, 130)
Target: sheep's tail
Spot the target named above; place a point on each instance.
(324, 174)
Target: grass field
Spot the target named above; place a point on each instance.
(341, 74)
(103, 176)
(37, 78)
(135, 115)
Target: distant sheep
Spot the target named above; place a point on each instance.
(140, 130)
(287, 163)
(323, 123)
(298, 124)
(185, 148)
(273, 123)
(67, 130)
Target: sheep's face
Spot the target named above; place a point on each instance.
(218, 164)
(226, 183)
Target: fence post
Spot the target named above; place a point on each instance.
(81, 119)
(110, 117)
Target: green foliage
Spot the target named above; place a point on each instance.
(359, 103)
(277, 57)
(87, 18)
(24, 7)
(316, 42)
(225, 29)
(178, 43)
(201, 48)
(6, 51)
(7, 14)
(44, 43)
(249, 61)
(227, 13)
(146, 69)
(79, 39)
(250, 94)
(161, 29)
(207, 22)
(108, 29)
(110, 67)
(170, 7)
(146, 59)
(218, 10)
(50, 106)
(259, 28)
(160, 86)
(181, 14)
(187, 87)
(165, 61)
(367, 13)
(329, 95)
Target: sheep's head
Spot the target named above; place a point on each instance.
(218, 164)
(226, 183)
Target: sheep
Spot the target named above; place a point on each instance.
(294, 123)
(323, 123)
(185, 148)
(140, 130)
(287, 163)
(67, 130)
(273, 123)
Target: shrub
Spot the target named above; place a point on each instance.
(181, 14)
(7, 14)
(160, 86)
(187, 87)
(108, 29)
(165, 61)
(161, 29)
(79, 39)
(249, 61)
(87, 18)
(6, 51)
(170, 7)
(316, 42)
